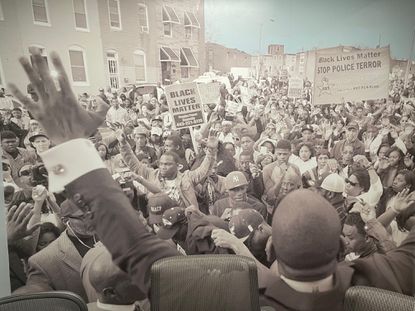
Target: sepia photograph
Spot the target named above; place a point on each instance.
(207, 155)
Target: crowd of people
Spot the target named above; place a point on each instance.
(321, 197)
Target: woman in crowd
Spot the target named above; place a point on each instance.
(388, 168)
(304, 158)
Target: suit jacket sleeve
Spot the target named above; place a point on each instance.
(393, 271)
(37, 280)
(132, 248)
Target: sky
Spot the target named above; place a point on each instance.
(307, 24)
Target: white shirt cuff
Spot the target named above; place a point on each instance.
(69, 161)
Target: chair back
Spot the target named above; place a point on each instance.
(362, 298)
(204, 282)
(46, 301)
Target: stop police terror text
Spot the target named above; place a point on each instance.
(350, 67)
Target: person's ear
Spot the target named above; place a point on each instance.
(179, 167)
(109, 292)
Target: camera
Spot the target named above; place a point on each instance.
(39, 175)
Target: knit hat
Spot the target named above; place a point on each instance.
(306, 236)
(245, 222)
(334, 183)
(171, 220)
(157, 205)
(235, 179)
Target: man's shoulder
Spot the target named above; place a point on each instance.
(254, 201)
(49, 253)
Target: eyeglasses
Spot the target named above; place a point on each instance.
(25, 173)
(347, 181)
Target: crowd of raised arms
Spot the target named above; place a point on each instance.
(97, 188)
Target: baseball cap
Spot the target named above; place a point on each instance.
(235, 179)
(334, 183)
(306, 252)
(37, 134)
(307, 127)
(353, 125)
(157, 205)
(171, 220)
(245, 222)
(140, 131)
(157, 118)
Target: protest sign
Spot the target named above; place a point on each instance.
(295, 87)
(209, 92)
(351, 76)
(232, 107)
(185, 105)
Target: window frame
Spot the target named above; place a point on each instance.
(147, 30)
(163, 8)
(1, 11)
(115, 58)
(171, 29)
(140, 52)
(119, 15)
(48, 23)
(77, 48)
(86, 17)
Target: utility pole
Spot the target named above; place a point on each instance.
(408, 65)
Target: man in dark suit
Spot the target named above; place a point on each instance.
(57, 267)
(308, 279)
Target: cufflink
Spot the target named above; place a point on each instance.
(58, 169)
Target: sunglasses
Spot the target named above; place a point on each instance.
(347, 181)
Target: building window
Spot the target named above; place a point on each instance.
(188, 32)
(1, 12)
(115, 14)
(167, 29)
(40, 12)
(140, 66)
(169, 17)
(143, 17)
(42, 52)
(78, 66)
(112, 62)
(79, 9)
(184, 72)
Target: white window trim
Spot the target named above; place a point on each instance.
(48, 24)
(167, 12)
(140, 52)
(86, 17)
(191, 32)
(184, 54)
(1, 12)
(171, 31)
(119, 14)
(2, 75)
(79, 49)
(118, 66)
(192, 26)
(147, 26)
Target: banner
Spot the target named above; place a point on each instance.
(295, 87)
(351, 76)
(185, 105)
(209, 92)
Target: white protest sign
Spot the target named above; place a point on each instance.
(185, 105)
(295, 87)
(351, 76)
(209, 92)
(232, 107)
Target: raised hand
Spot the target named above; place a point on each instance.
(402, 201)
(58, 111)
(383, 163)
(18, 218)
(409, 160)
(212, 141)
(39, 193)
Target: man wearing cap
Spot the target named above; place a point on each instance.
(17, 157)
(352, 131)
(332, 189)
(192, 233)
(140, 139)
(310, 277)
(40, 143)
(236, 185)
(19, 119)
(157, 204)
